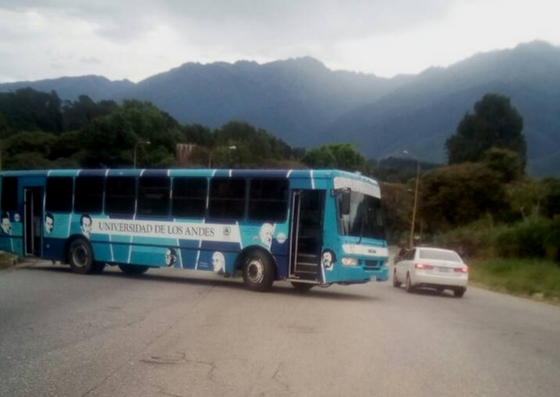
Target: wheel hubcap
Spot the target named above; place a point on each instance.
(255, 271)
(80, 256)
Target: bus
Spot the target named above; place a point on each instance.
(309, 227)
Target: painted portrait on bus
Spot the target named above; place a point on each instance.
(219, 262)
(85, 224)
(49, 223)
(170, 257)
(327, 259)
(5, 223)
(266, 234)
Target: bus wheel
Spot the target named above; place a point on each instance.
(80, 257)
(258, 272)
(132, 270)
(302, 287)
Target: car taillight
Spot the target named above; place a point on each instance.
(423, 266)
(464, 269)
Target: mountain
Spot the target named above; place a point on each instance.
(306, 104)
(422, 114)
(294, 99)
(70, 88)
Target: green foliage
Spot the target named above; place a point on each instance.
(30, 110)
(253, 147)
(551, 204)
(112, 140)
(527, 277)
(78, 114)
(459, 194)
(532, 239)
(340, 155)
(37, 142)
(399, 169)
(475, 239)
(495, 123)
(526, 197)
(506, 162)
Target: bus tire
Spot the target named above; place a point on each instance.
(258, 272)
(80, 258)
(132, 270)
(302, 287)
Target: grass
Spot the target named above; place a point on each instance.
(526, 277)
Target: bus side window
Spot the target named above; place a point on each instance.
(268, 200)
(89, 194)
(60, 190)
(9, 193)
(227, 198)
(153, 196)
(189, 197)
(120, 198)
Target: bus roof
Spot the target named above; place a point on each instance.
(204, 172)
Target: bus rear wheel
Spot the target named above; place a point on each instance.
(131, 270)
(80, 258)
(258, 272)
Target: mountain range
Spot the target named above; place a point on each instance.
(306, 104)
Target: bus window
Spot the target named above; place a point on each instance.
(268, 200)
(120, 197)
(59, 194)
(89, 194)
(9, 193)
(227, 198)
(189, 197)
(153, 196)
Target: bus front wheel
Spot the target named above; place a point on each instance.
(258, 272)
(80, 258)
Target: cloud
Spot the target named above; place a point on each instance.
(132, 39)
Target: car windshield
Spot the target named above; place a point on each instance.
(365, 218)
(439, 255)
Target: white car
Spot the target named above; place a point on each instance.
(435, 268)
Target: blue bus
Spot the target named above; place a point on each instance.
(310, 227)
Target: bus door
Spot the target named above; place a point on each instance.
(306, 234)
(32, 220)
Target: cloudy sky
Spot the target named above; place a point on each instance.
(135, 39)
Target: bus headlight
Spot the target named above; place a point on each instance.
(349, 261)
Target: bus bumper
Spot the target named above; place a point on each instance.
(357, 274)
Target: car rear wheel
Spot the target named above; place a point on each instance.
(459, 292)
(408, 284)
(396, 282)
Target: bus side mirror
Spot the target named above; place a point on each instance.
(345, 202)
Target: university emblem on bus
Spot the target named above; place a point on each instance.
(227, 231)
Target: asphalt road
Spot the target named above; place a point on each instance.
(179, 333)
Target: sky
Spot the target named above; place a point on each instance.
(135, 39)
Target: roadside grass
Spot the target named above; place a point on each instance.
(6, 260)
(535, 278)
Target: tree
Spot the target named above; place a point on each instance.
(505, 162)
(495, 123)
(460, 194)
(340, 155)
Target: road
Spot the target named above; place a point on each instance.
(179, 333)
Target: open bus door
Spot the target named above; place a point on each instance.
(32, 220)
(306, 235)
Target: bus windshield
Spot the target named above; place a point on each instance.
(365, 219)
